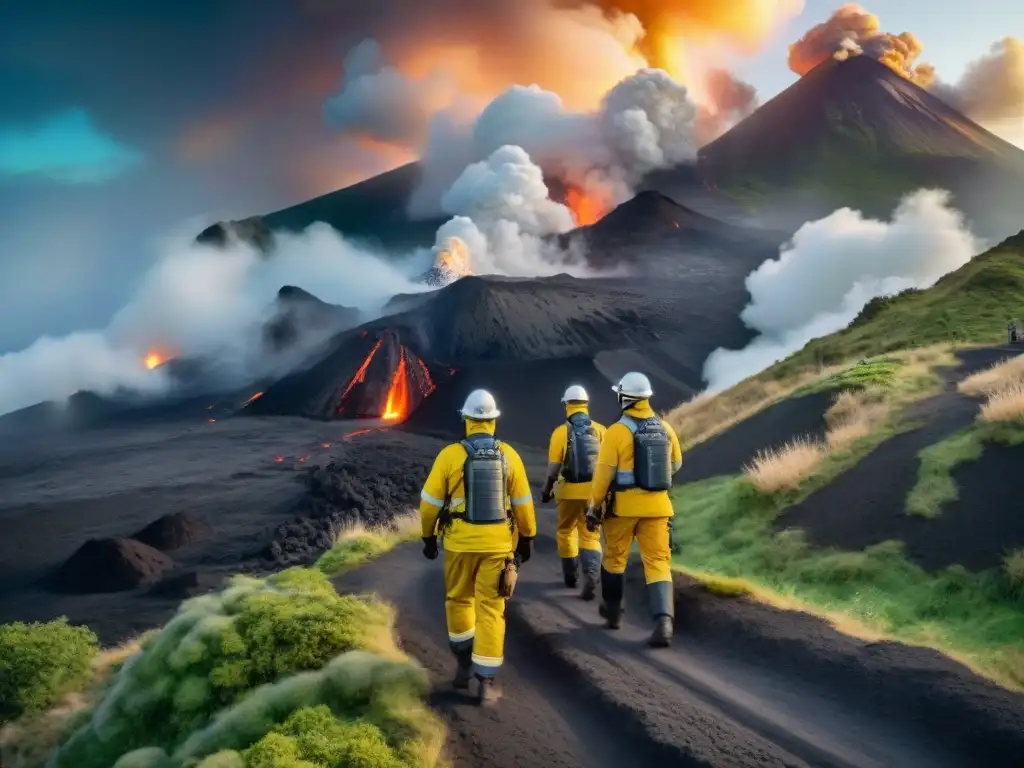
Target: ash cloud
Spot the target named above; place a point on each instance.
(832, 267)
(992, 88)
(852, 30)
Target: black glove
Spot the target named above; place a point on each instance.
(524, 549)
(430, 547)
(547, 495)
(592, 518)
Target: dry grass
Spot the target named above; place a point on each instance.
(704, 416)
(998, 377)
(28, 742)
(855, 414)
(784, 469)
(1006, 404)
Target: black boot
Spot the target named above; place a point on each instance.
(590, 559)
(611, 598)
(463, 670)
(662, 601)
(488, 691)
(570, 571)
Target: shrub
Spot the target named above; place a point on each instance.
(867, 373)
(783, 469)
(1003, 374)
(40, 663)
(356, 544)
(231, 666)
(1013, 568)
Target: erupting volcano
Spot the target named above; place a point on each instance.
(585, 209)
(154, 360)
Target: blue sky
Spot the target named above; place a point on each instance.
(121, 120)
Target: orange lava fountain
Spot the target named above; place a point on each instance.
(585, 210)
(397, 404)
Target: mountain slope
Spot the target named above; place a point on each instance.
(856, 133)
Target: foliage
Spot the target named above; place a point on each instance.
(40, 663)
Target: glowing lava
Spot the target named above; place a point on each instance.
(397, 404)
(451, 259)
(360, 376)
(585, 210)
(154, 360)
(252, 399)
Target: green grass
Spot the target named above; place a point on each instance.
(358, 545)
(723, 527)
(969, 306)
(269, 673)
(935, 486)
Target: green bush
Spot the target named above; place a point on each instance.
(39, 663)
(230, 667)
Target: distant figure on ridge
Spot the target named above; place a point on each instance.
(572, 457)
(476, 498)
(1012, 332)
(639, 455)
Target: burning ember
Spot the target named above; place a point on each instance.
(585, 210)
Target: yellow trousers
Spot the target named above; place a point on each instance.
(651, 533)
(572, 534)
(473, 609)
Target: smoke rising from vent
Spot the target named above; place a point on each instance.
(832, 268)
(992, 88)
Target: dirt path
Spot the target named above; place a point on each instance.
(744, 685)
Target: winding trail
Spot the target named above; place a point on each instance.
(744, 685)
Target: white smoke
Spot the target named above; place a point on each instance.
(204, 301)
(830, 270)
(502, 215)
(646, 122)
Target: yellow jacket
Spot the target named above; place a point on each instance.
(556, 455)
(617, 456)
(445, 482)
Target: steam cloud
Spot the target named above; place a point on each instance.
(202, 301)
(992, 88)
(832, 268)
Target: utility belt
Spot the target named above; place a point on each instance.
(446, 517)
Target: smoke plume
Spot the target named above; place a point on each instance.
(203, 301)
(852, 30)
(992, 89)
(832, 268)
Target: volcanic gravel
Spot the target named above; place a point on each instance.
(727, 452)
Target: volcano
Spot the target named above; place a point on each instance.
(855, 133)
(297, 314)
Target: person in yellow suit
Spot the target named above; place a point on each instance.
(477, 498)
(638, 458)
(572, 456)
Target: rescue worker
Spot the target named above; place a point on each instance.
(639, 455)
(572, 456)
(477, 522)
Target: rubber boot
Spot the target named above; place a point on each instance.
(611, 598)
(463, 670)
(590, 559)
(488, 691)
(570, 571)
(661, 597)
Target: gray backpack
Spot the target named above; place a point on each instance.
(485, 476)
(652, 454)
(581, 449)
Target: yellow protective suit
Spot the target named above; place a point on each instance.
(571, 533)
(635, 514)
(474, 555)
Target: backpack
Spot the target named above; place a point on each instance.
(485, 478)
(581, 449)
(652, 454)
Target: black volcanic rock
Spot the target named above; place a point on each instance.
(252, 231)
(173, 531)
(297, 312)
(109, 565)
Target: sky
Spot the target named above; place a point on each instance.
(121, 122)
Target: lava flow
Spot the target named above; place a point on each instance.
(154, 359)
(585, 210)
(252, 399)
(360, 375)
(397, 403)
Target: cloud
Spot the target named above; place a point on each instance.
(852, 30)
(832, 268)
(68, 148)
(992, 88)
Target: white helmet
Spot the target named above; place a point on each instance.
(575, 394)
(634, 385)
(480, 406)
